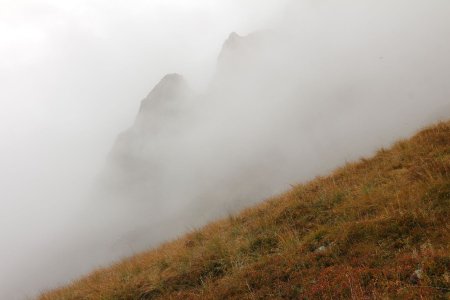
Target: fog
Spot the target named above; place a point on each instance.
(304, 87)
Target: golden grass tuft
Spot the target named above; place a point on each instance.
(375, 229)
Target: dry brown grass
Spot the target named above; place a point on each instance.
(360, 233)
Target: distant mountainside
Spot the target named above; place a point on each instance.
(133, 163)
(261, 125)
(163, 110)
(142, 157)
(375, 229)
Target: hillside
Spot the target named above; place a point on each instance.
(378, 228)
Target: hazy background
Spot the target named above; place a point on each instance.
(334, 81)
(72, 74)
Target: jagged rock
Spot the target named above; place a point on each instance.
(231, 44)
(133, 161)
(237, 49)
(172, 87)
(164, 100)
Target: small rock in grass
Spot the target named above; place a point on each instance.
(320, 249)
(416, 276)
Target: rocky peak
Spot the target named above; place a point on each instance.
(171, 87)
(230, 45)
(232, 40)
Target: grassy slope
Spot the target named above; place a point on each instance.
(360, 233)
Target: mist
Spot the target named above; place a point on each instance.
(302, 88)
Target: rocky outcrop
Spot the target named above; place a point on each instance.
(164, 100)
(133, 160)
(141, 158)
